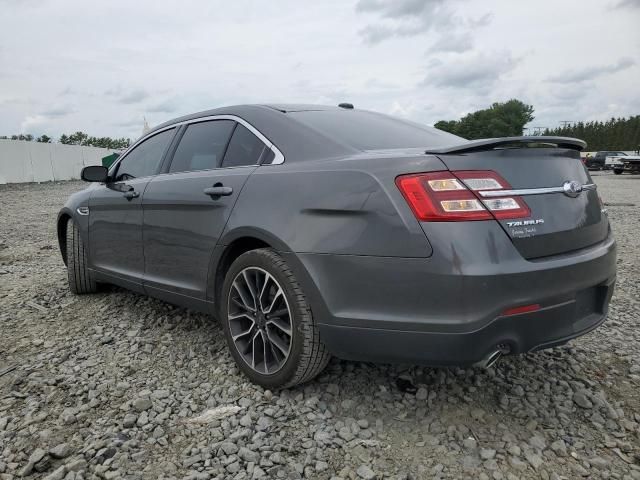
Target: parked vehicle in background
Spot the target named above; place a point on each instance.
(598, 161)
(312, 231)
(626, 163)
(614, 159)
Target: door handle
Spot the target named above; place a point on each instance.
(218, 190)
(130, 194)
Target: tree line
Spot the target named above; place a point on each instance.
(614, 134)
(77, 138)
(508, 119)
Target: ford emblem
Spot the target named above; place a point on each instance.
(572, 189)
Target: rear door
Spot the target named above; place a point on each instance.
(115, 213)
(186, 208)
(565, 210)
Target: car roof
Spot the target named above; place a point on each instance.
(295, 139)
(299, 107)
(292, 138)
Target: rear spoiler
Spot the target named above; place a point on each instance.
(506, 142)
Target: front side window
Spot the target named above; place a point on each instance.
(145, 158)
(202, 146)
(244, 148)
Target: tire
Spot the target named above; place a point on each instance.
(617, 171)
(80, 278)
(280, 359)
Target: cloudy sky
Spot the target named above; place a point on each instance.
(100, 67)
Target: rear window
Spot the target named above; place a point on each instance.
(373, 131)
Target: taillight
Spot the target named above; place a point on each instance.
(453, 196)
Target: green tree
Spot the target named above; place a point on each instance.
(28, 137)
(81, 138)
(614, 134)
(44, 139)
(500, 120)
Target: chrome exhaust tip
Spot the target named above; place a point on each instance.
(492, 359)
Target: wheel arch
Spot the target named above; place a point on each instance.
(241, 240)
(63, 219)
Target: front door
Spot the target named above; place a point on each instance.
(115, 213)
(187, 208)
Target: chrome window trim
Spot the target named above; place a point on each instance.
(530, 191)
(134, 145)
(277, 159)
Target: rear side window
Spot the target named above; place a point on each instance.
(244, 148)
(373, 131)
(145, 158)
(202, 146)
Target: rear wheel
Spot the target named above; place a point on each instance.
(617, 171)
(80, 278)
(268, 323)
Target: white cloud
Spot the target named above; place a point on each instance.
(103, 66)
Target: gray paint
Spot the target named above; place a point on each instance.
(382, 285)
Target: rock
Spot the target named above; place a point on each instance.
(365, 472)
(76, 465)
(599, 463)
(580, 398)
(230, 448)
(129, 420)
(142, 404)
(514, 450)
(517, 463)
(538, 442)
(248, 455)
(160, 394)
(60, 451)
(487, 453)
(189, 461)
(534, 459)
(559, 447)
(68, 416)
(469, 462)
(345, 434)
(36, 456)
(422, 394)
(470, 443)
(143, 419)
(57, 474)
(258, 473)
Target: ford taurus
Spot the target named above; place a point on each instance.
(311, 231)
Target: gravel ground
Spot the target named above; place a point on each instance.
(116, 385)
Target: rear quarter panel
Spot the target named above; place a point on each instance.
(345, 206)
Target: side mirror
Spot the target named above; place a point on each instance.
(94, 173)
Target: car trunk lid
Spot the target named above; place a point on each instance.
(539, 169)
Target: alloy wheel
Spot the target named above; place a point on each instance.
(260, 320)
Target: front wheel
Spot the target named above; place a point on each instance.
(268, 323)
(80, 277)
(617, 171)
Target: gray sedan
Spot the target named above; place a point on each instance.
(311, 231)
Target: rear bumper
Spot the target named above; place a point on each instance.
(551, 326)
(446, 309)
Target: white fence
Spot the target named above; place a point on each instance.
(22, 161)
